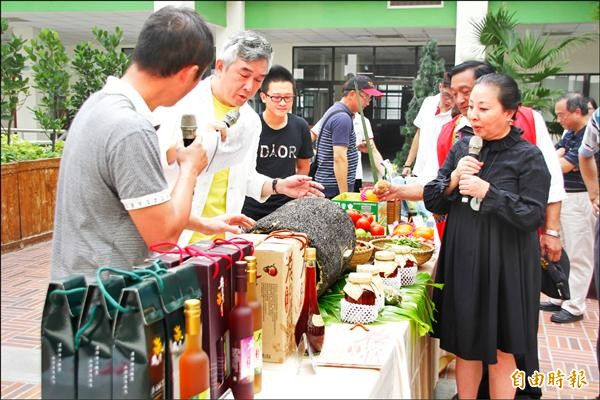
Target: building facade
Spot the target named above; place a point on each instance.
(323, 41)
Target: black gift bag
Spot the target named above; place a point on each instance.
(139, 343)
(62, 308)
(94, 339)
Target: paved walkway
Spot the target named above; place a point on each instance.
(24, 279)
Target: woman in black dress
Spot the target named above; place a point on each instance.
(489, 258)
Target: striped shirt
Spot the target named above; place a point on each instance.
(571, 142)
(338, 131)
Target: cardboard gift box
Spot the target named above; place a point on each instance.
(274, 291)
(214, 279)
(299, 242)
(349, 201)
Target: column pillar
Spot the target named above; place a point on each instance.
(467, 45)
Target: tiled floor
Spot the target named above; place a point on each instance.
(25, 275)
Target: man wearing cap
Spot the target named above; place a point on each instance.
(337, 155)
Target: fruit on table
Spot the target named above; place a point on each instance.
(381, 187)
(377, 229)
(354, 215)
(363, 223)
(403, 229)
(425, 232)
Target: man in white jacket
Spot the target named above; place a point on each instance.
(231, 173)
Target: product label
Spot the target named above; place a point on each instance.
(242, 357)
(203, 395)
(317, 320)
(258, 352)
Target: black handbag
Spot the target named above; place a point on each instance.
(555, 277)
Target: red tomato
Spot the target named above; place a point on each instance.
(377, 229)
(369, 216)
(363, 223)
(354, 215)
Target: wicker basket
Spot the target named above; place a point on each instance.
(378, 237)
(422, 255)
(362, 253)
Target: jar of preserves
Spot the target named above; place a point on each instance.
(385, 261)
(405, 260)
(359, 290)
(376, 281)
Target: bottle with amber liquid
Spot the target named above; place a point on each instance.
(194, 367)
(257, 320)
(310, 320)
(241, 330)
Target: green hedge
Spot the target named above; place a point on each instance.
(23, 150)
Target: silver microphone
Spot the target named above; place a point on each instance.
(475, 145)
(188, 128)
(231, 117)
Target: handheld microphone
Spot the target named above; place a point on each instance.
(188, 128)
(231, 117)
(475, 145)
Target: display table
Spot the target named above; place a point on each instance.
(408, 366)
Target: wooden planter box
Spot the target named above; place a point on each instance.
(28, 199)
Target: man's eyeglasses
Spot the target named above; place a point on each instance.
(277, 99)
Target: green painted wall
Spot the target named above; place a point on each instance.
(351, 14)
(549, 12)
(213, 11)
(68, 6)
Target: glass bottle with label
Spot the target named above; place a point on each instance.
(257, 320)
(310, 320)
(194, 367)
(241, 330)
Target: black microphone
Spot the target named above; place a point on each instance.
(188, 128)
(475, 145)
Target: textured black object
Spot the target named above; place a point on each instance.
(555, 277)
(329, 230)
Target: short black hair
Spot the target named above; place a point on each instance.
(575, 101)
(592, 101)
(171, 39)
(277, 73)
(509, 94)
(479, 68)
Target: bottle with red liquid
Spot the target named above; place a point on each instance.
(310, 320)
(241, 329)
(194, 367)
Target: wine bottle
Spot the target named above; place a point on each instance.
(310, 320)
(241, 330)
(257, 320)
(194, 367)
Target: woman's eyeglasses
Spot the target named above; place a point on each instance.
(277, 99)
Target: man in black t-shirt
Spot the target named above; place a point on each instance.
(285, 145)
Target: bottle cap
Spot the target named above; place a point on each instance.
(385, 255)
(251, 260)
(191, 307)
(359, 277)
(240, 269)
(311, 253)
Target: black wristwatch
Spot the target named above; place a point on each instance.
(274, 185)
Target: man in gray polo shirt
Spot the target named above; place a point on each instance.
(112, 197)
